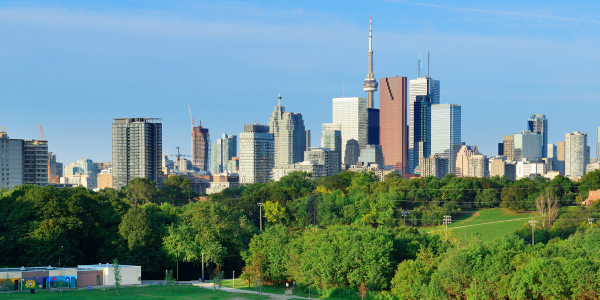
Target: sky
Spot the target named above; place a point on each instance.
(73, 66)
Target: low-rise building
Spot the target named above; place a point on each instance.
(528, 169)
(504, 168)
(105, 179)
(592, 167)
(223, 181)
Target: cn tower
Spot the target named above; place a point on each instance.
(370, 84)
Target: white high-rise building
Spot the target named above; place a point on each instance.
(256, 154)
(446, 132)
(577, 154)
(351, 114)
(418, 87)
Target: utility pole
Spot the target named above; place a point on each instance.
(203, 266)
(404, 213)
(61, 250)
(260, 215)
(233, 278)
(532, 223)
(591, 221)
(447, 220)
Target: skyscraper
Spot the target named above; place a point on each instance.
(462, 160)
(446, 133)
(331, 137)
(137, 150)
(392, 122)
(539, 124)
(289, 135)
(527, 145)
(351, 114)
(200, 148)
(370, 84)
(373, 126)
(577, 154)
(420, 86)
(508, 143)
(422, 130)
(256, 154)
(223, 151)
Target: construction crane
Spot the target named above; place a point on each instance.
(178, 155)
(42, 133)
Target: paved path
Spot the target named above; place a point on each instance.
(232, 290)
(481, 224)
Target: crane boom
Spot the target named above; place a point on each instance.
(42, 133)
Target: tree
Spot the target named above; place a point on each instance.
(265, 254)
(547, 208)
(117, 273)
(362, 290)
(140, 191)
(274, 212)
(176, 188)
(143, 243)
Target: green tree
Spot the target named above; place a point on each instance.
(176, 188)
(266, 254)
(140, 191)
(117, 274)
(143, 243)
(274, 212)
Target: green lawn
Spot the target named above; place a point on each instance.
(240, 284)
(490, 223)
(154, 292)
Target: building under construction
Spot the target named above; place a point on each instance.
(200, 148)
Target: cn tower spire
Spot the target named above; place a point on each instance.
(370, 84)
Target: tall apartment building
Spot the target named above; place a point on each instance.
(257, 154)
(392, 126)
(419, 87)
(35, 162)
(528, 146)
(324, 156)
(289, 135)
(351, 114)
(137, 150)
(539, 124)
(434, 166)
(478, 166)
(200, 148)
(508, 144)
(577, 154)
(422, 130)
(11, 161)
(446, 133)
(223, 151)
(462, 160)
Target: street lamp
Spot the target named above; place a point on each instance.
(260, 215)
(591, 221)
(532, 223)
(404, 213)
(59, 256)
(447, 220)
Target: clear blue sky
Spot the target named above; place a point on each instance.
(72, 66)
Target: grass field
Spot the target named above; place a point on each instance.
(490, 223)
(154, 292)
(242, 285)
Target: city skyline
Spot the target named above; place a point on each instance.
(478, 80)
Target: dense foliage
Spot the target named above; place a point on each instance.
(339, 232)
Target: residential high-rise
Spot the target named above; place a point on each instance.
(478, 166)
(257, 153)
(527, 145)
(352, 153)
(35, 162)
(370, 84)
(200, 148)
(462, 160)
(373, 125)
(137, 150)
(223, 151)
(434, 166)
(577, 154)
(446, 133)
(539, 124)
(421, 131)
(289, 135)
(392, 122)
(508, 143)
(419, 87)
(351, 114)
(11, 161)
(324, 156)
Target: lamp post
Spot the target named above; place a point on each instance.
(591, 221)
(447, 220)
(59, 256)
(233, 278)
(532, 223)
(260, 215)
(203, 266)
(404, 213)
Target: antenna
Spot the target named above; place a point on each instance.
(427, 64)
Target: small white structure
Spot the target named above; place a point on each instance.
(130, 275)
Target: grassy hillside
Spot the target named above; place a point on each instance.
(490, 223)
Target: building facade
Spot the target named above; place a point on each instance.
(392, 126)
(539, 124)
(257, 153)
(527, 146)
(352, 153)
(434, 166)
(373, 117)
(462, 160)
(503, 168)
(508, 144)
(137, 150)
(419, 87)
(200, 148)
(105, 179)
(446, 133)
(223, 151)
(577, 154)
(324, 156)
(372, 154)
(289, 135)
(421, 130)
(351, 114)
(478, 166)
